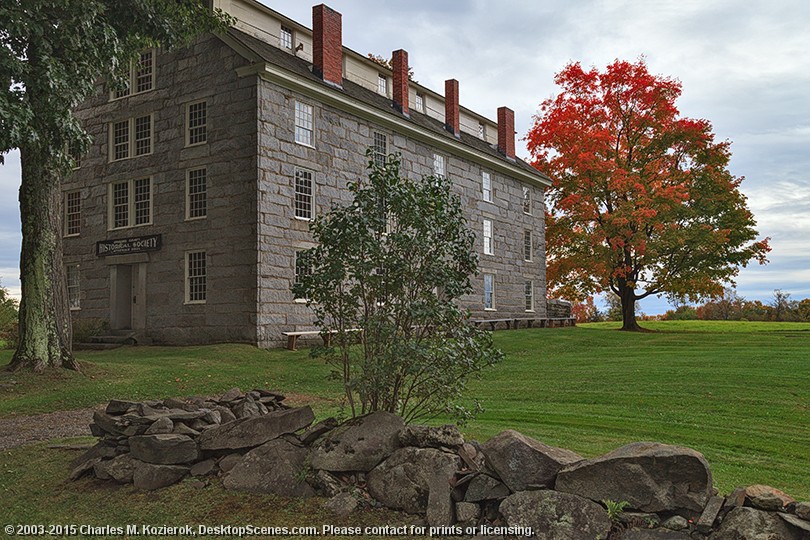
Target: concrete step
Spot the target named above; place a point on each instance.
(96, 346)
(128, 339)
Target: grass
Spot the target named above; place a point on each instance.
(737, 392)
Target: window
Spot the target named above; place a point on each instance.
(527, 245)
(438, 166)
(196, 123)
(528, 293)
(302, 268)
(141, 77)
(197, 193)
(420, 102)
(481, 131)
(380, 149)
(486, 186)
(382, 84)
(489, 291)
(73, 213)
(527, 200)
(131, 138)
(286, 38)
(74, 301)
(303, 123)
(488, 248)
(196, 277)
(303, 194)
(130, 203)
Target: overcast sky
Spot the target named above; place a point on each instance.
(744, 66)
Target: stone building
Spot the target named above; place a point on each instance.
(183, 221)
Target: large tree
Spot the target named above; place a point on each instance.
(643, 202)
(52, 52)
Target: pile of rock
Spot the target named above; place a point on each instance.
(255, 443)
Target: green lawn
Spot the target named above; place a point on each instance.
(737, 392)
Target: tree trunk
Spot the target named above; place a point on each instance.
(45, 327)
(628, 297)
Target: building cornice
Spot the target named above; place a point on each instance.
(401, 125)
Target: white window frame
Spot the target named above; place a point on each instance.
(286, 38)
(486, 186)
(489, 244)
(527, 200)
(132, 80)
(296, 267)
(130, 204)
(311, 195)
(67, 213)
(204, 193)
(491, 280)
(130, 143)
(382, 84)
(482, 131)
(73, 280)
(379, 146)
(419, 102)
(304, 124)
(439, 166)
(528, 245)
(528, 295)
(187, 259)
(203, 127)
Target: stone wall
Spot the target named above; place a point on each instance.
(509, 486)
(558, 309)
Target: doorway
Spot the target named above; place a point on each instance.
(128, 296)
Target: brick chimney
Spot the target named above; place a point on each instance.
(506, 131)
(327, 44)
(451, 115)
(400, 64)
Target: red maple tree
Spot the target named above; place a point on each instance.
(642, 201)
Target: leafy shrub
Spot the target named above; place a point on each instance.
(84, 329)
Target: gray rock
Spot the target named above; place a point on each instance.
(416, 480)
(99, 450)
(484, 487)
(116, 406)
(213, 417)
(745, 523)
(318, 430)
(556, 516)
(148, 476)
(359, 444)
(232, 395)
(522, 462)
(327, 484)
(431, 437)
(255, 431)
(795, 521)
(654, 534)
(136, 429)
(767, 497)
(121, 469)
(275, 467)
(342, 504)
(161, 425)
(803, 510)
(185, 404)
(675, 523)
(651, 477)
(84, 467)
(709, 515)
(165, 449)
(203, 468)
(229, 462)
(109, 424)
(246, 408)
(644, 520)
(181, 429)
(467, 512)
(225, 414)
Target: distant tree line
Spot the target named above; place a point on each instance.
(8, 319)
(728, 307)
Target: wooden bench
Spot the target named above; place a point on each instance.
(292, 337)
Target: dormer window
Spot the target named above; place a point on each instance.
(382, 84)
(286, 38)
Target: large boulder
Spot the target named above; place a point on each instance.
(484, 487)
(651, 477)
(164, 449)
(745, 523)
(255, 431)
(120, 469)
(275, 467)
(359, 444)
(556, 516)
(148, 476)
(767, 498)
(522, 462)
(417, 480)
(447, 436)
